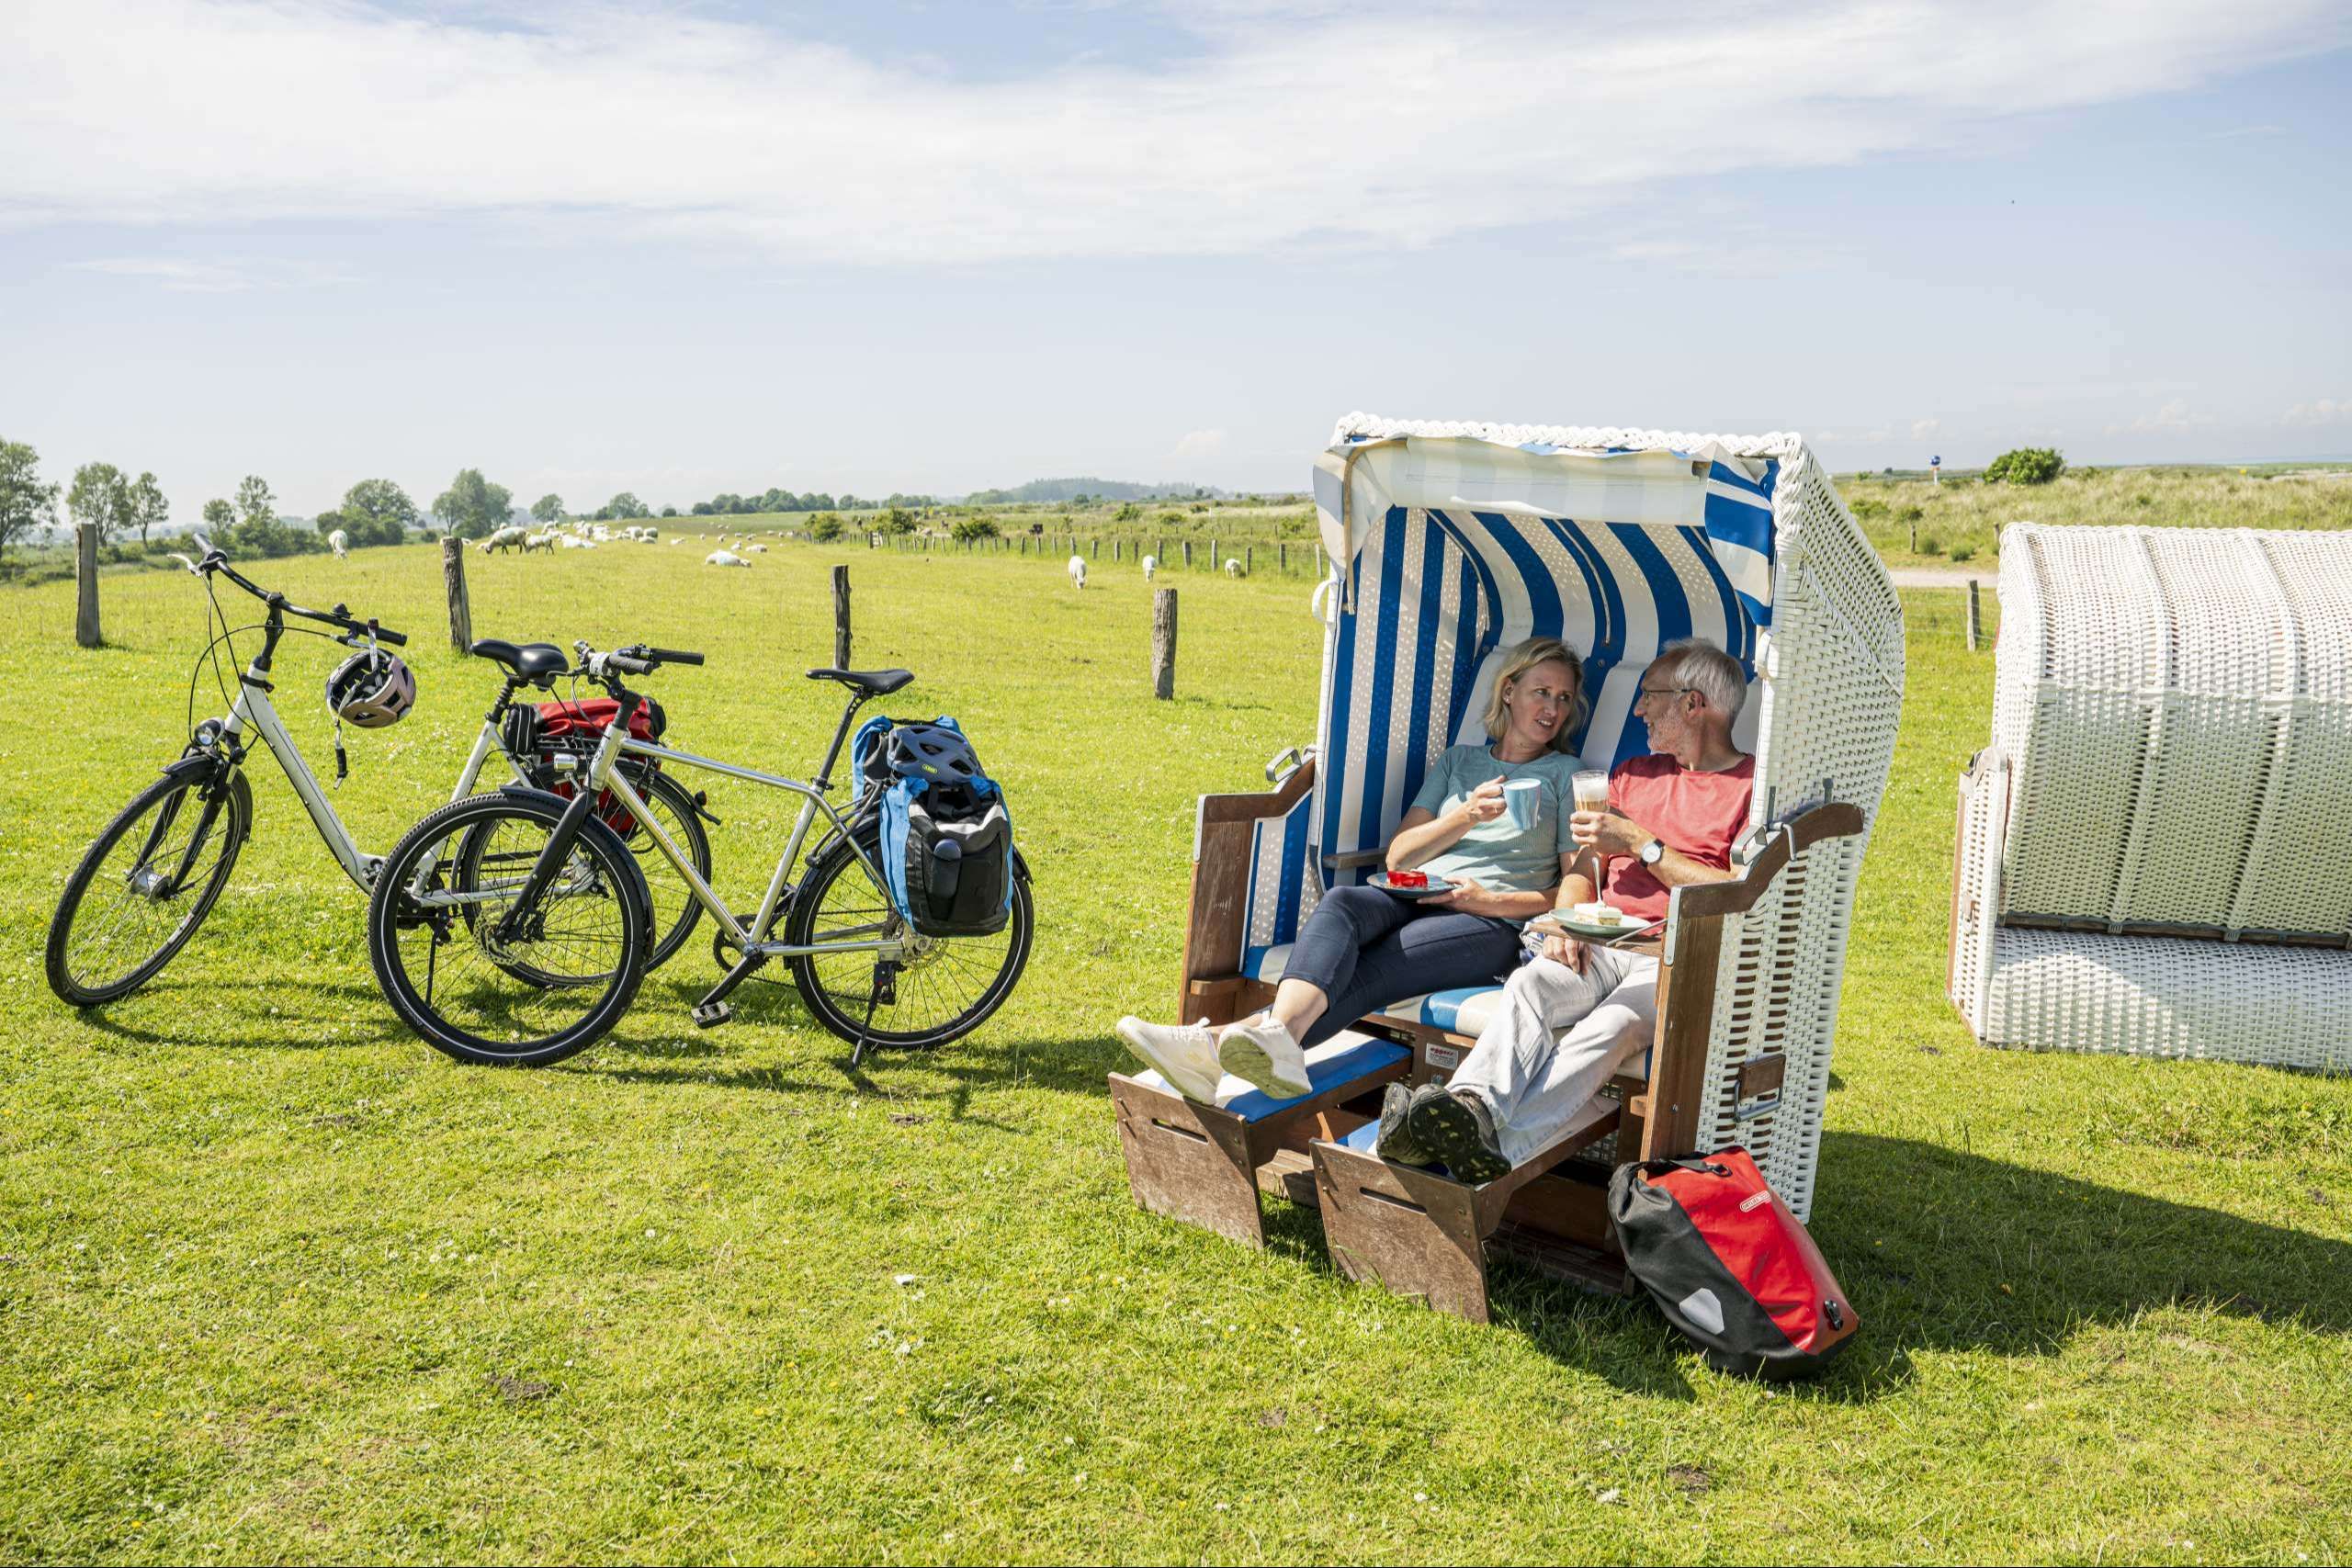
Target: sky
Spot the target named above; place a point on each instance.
(681, 249)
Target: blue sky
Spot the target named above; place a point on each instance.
(924, 247)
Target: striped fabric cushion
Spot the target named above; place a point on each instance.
(1345, 1058)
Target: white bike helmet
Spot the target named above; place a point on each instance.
(371, 689)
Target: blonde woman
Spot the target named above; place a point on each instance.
(1363, 949)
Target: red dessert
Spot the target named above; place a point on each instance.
(1408, 879)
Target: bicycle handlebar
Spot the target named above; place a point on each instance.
(670, 656)
(215, 561)
(638, 659)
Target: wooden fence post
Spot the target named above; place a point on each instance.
(1249, 559)
(1281, 557)
(1163, 642)
(1188, 552)
(841, 617)
(86, 585)
(1215, 563)
(1976, 617)
(453, 580)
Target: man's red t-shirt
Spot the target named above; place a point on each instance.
(1699, 814)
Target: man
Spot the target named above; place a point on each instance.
(1575, 1012)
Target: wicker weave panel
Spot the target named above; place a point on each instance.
(2171, 996)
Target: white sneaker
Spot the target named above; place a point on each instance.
(1260, 1050)
(1186, 1054)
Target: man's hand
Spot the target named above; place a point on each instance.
(1609, 833)
(1482, 803)
(1560, 947)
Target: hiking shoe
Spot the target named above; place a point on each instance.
(1459, 1133)
(1260, 1052)
(1186, 1054)
(1394, 1142)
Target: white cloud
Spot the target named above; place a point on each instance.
(1923, 428)
(1306, 125)
(2320, 411)
(215, 276)
(2172, 418)
(1200, 443)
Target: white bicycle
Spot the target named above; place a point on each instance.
(147, 882)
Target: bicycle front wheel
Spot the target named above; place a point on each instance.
(942, 992)
(146, 885)
(523, 998)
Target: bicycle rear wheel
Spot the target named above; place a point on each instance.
(547, 991)
(943, 991)
(146, 885)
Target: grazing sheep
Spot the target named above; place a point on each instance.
(570, 543)
(538, 542)
(1232, 566)
(1150, 565)
(724, 557)
(505, 540)
(759, 549)
(653, 536)
(1078, 571)
(340, 543)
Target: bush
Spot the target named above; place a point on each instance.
(1930, 546)
(2025, 466)
(1171, 517)
(967, 529)
(1867, 509)
(1912, 513)
(825, 528)
(1128, 513)
(1964, 552)
(898, 520)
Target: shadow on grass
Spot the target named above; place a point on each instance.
(326, 1001)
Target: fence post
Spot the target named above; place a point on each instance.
(1188, 552)
(1217, 563)
(841, 617)
(453, 580)
(1281, 557)
(1976, 617)
(1249, 559)
(1163, 642)
(86, 585)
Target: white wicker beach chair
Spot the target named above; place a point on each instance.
(2155, 856)
(1449, 544)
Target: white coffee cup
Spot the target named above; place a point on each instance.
(1522, 800)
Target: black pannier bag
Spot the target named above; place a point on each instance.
(947, 847)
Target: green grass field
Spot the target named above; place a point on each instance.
(277, 1282)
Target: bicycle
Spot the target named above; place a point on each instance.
(118, 925)
(528, 954)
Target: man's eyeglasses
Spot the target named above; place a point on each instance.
(1661, 691)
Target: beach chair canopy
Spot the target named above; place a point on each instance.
(2170, 756)
(1450, 542)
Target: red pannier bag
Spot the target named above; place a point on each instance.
(576, 726)
(1729, 1265)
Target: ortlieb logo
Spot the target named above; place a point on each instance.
(1751, 1204)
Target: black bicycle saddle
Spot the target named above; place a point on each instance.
(531, 661)
(873, 683)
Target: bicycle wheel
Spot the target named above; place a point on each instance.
(146, 885)
(945, 989)
(551, 990)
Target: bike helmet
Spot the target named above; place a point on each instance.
(936, 751)
(371, 689)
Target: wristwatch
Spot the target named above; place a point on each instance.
(1653, 852)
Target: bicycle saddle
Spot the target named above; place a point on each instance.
(873, 683)
(532, 661)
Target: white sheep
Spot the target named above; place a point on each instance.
(1150, 565)
(677, 541)
(759, 549)
(724, 557)
(572, 542)
(507, 539)
(538, 542)
(653, 536)
(1232, 566)
(1078, 571)
(340, 543)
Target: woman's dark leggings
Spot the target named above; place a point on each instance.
(1365, 950)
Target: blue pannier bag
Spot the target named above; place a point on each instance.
(946, 847)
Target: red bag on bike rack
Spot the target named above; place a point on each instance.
(1729, 1265)
(575, 728)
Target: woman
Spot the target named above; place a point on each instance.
(1362, 950)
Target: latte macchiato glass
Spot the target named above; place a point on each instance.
(1591, 788)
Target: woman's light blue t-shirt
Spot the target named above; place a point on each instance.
(1495, 854)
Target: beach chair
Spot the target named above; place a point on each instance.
(1449, 543)
(2152, 851)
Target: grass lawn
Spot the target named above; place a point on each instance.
(279, 1282)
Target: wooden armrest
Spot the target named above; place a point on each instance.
(1737, 894)
(1260, 804)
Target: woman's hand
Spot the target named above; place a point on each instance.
(1609, 833)
(1482, 803)
(1466, 895)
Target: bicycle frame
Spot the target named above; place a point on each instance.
(603, 775)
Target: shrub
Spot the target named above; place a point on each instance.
(825, 528)
(1867, 509)
(1128, 513)
(1964, 552)
(967, 529)
(898, 520)
(2025, 466)
(1930, 546)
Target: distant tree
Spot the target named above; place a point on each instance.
(969, 528)
(100, 497)
(702, 509)
(2025, 466)
(26, 504)
(777, 500)
(817, 500)
(377, 512)
(625, 505)
(218, 518)
(825, 528)
(1128, 512)
(473, 507)
(669, 512)
(256, 504)
(548, 508)
(897, 520)
(147, 506)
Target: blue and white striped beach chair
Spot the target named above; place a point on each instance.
(1449, 544)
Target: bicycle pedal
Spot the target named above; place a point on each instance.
(710, 1015)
